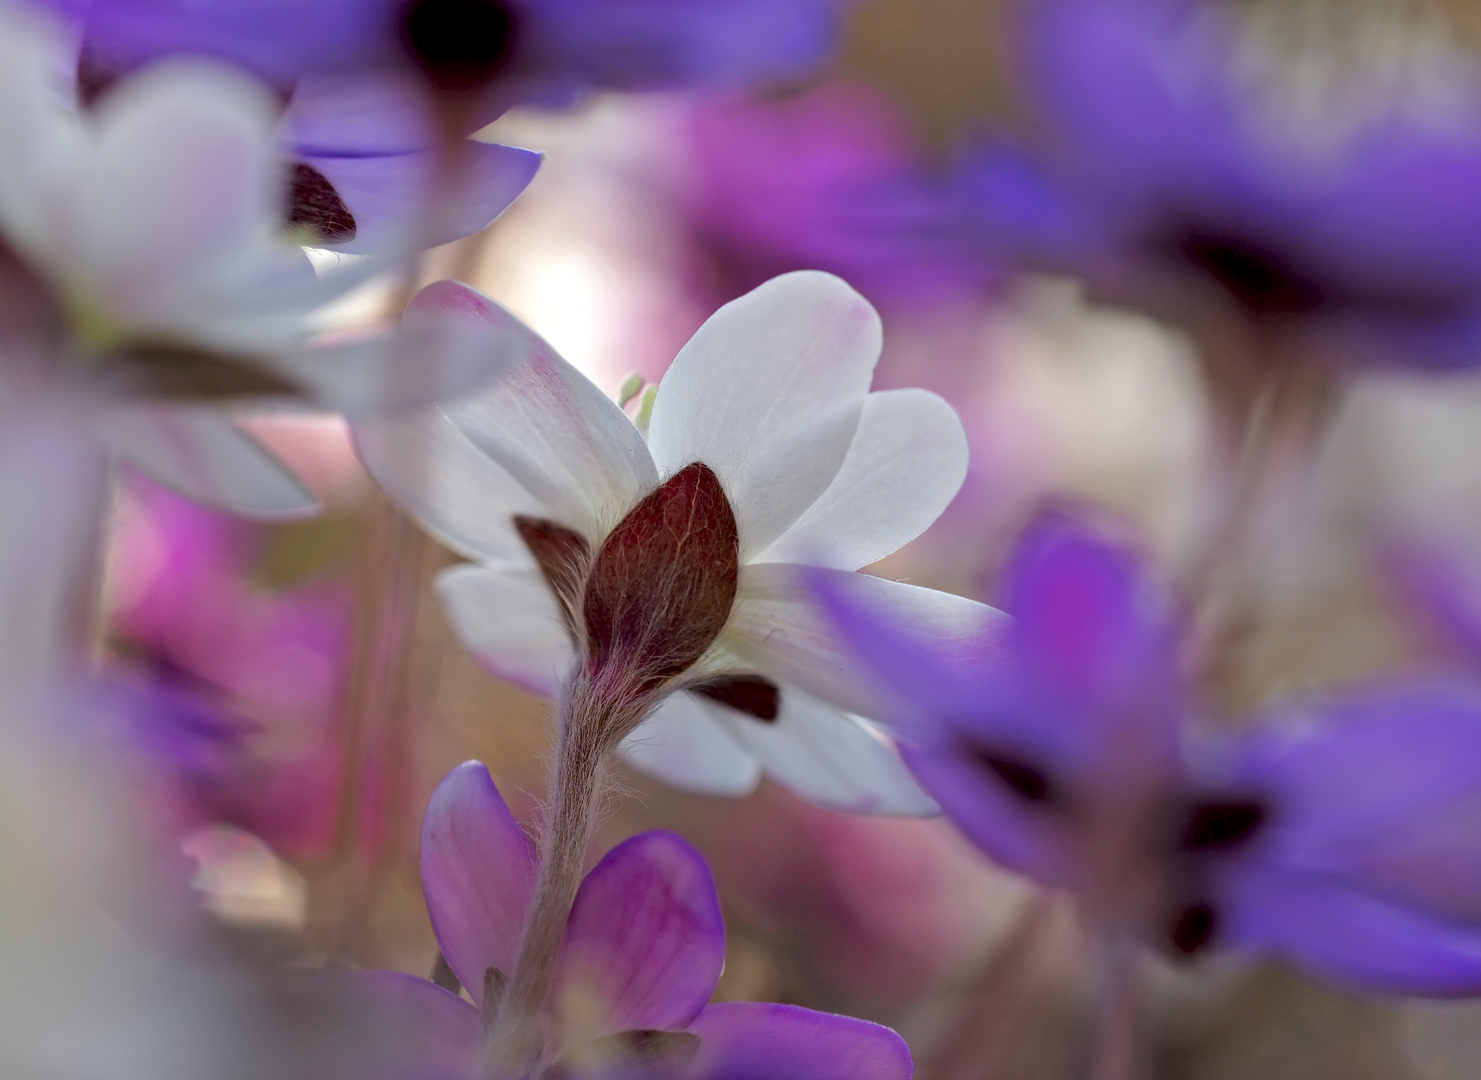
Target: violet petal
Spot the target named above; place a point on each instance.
(753, 1040)
(478, 874)
(645, 942)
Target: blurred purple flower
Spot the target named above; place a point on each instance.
(829, 179)
(642, 954)
(218, 656)
(1340, 834)
(1186, 173)
(362, 126)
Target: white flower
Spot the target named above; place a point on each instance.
(146, 281)
(772, 395)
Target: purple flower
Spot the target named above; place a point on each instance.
(643, 951)
(1337, 834)
(1192, 171)
(357, 75)
(828, 179)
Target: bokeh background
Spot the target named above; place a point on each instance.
(298, 807)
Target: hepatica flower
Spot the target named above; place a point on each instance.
(144, 281)
(642, 953)
(1236, 160)
(1337, 834)
(662, 574)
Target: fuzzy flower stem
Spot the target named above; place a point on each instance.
(593, 720)
(1114, 1047)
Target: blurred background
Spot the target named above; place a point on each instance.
(296, 796)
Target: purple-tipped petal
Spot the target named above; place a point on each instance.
(418, 1028)
(645, 942)
(388, 194)
(1352, 937)
(755, 1041)
(478, 874)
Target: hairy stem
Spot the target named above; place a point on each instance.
(1114, 1054)
(593, 720)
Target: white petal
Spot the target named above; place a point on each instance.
(907, 462)
(550, 427)
(426, 466)
(181, 194)
(428, 360)
(776, 627)
(768, 393)
(39, 136)
(508, 619)
(831, 759)
(200, 453)
(685, 745)
(53, 481)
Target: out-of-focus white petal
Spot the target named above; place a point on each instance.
(53, 477)
(830, 758)
(426, 361)
(507, 617)
(548, 426)
(768, 394)
(200, 453)
(685, 744)
(179, 198)
(780, 630)
(38, 138)
(458, 494)
(905, 465)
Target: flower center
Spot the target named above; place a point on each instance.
(459, 45)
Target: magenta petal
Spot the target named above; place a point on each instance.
(478, 874)
(753, 1041)
(645, 942)
(419, 1029)
(1354, 938)
(388, 194)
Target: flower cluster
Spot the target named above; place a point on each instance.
(247, 249)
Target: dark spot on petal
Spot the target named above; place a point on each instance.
(313, 204)
(178, 372)
(1193, 928)
(459, 45)
(1220, 825)
(1029, 783)
(563, 555)
(663, 582)
(750, 694)
(94, 78)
